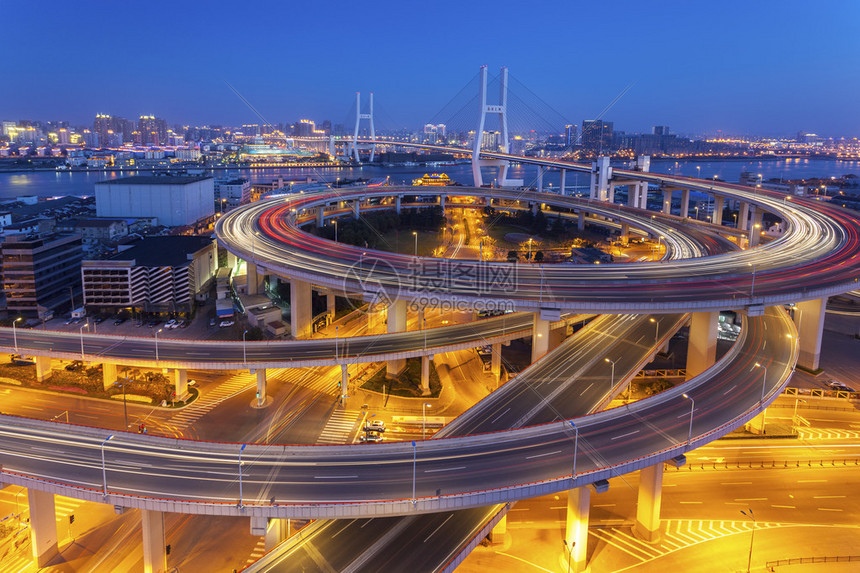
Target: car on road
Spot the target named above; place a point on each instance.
(226, 323)
(371, 439)
(376, 426)
(119, 320)
(171, 324)
(211, 322)
(99, 319)
(74, 365)
(153, 323)
(834, 383)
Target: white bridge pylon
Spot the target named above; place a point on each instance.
(501, 110)
(358, 117)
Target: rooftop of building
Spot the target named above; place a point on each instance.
(166, 251)
(88, 222)
(157, 180)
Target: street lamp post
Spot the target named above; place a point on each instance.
(424, 407)
(156, 343)
(240, 472)
(530, 249)
(81, 330)
(698, 171)
(612, 379)
(335, 229)
(656, 334)
(15, 334)
(763, 381)
(692, 409)
(751, 515)
(415, 234)
(244, 348)
(575, 446)
(414, 460)
(104, 469)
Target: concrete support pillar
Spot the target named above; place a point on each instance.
(320, 216)
(667, 201)
(276, 532)
(43, 368)
(43, 526)
(625, 232)
(442, 204)
(356, 208)
(261, 386)
(397, 200)
(180, 383)
(330, 306)
(648, 509)
(601, 173)
(108, 374)
(685, 203)
(743, 215)
(809, 318)
(496, 361)
(154, 544)
(540, 337)
(755, 227)
(576, 528)
(535, 207)
(610, 194)
(396, 322)
(497, 535)
(717, 215)
(563, 182)
(540, 171)
(231, 260)
(300, 308)
(425, 375)
(702, 344)
(580, 221)
(254, 278)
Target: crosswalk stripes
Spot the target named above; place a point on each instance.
(259, 551)
(824, 434)
(340, 427)
(677, 534)
(211, 399)
(17, 562)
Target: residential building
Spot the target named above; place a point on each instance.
(156, 274)
(230, 193)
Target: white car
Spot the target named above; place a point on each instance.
(226, 323)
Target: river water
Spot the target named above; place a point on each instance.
(57, 184)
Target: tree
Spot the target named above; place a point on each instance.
(538, 258)
(512, 256)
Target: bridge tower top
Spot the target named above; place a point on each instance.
(500, 110)
(358, 117)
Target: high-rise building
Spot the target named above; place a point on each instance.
(597, 135)
(173, 200)
(153, 130)
(39, 269)
(102, 124)
(660, 130)
(569, 135)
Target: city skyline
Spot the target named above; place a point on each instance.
(739, 70)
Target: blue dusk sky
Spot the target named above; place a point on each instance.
(742, 67)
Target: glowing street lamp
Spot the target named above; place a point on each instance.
(612, 379)
(692, 409)
(104, 469)
(15, 334)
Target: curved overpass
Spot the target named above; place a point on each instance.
(816, 258)
(390, 479)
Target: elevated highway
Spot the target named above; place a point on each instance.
(400, 478)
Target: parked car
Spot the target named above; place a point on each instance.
(226, 323)
(171, 324)
(74, 365)
(119, 320)
(211, 322)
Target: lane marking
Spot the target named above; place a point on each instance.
(625, 435)
(438, 528)
(542, 455)
(335, 477)
(445, 470)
